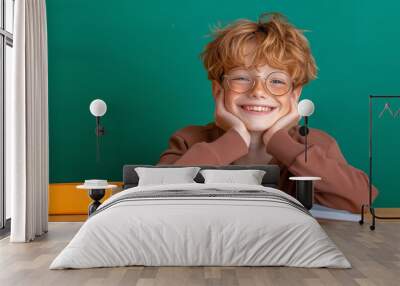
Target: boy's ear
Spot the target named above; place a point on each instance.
(297, 91)
(216, 88)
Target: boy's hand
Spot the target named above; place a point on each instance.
(286, 122)
(226, 120)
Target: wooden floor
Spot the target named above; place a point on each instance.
(374, 255)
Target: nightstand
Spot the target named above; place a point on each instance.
(305, 190)
(96, 193)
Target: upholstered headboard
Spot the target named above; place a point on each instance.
(270, 179)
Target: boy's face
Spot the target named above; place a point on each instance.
(259, 108)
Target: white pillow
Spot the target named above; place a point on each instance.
(249, 177)
(162, 176)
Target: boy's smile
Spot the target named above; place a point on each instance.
(258, 109)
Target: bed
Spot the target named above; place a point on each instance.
(199, 224)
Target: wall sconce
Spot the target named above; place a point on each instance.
(98, 108)
(305, 108)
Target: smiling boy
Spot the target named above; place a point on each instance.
(257, 71)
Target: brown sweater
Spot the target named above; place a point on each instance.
(342, 186)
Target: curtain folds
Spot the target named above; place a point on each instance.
(27, 159)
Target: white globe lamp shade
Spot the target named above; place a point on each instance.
(98, 107)
(305, 107)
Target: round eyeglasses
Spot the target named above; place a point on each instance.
(277, 83)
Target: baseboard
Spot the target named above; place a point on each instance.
(68, 218)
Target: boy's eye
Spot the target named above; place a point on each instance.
(242, 78)
(277, 81)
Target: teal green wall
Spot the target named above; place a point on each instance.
(142, 58)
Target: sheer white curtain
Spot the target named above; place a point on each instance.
(27, 124)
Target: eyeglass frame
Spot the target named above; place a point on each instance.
(264, 82)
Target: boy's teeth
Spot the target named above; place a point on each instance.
(257, 108)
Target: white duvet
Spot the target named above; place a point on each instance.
(200, 231)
